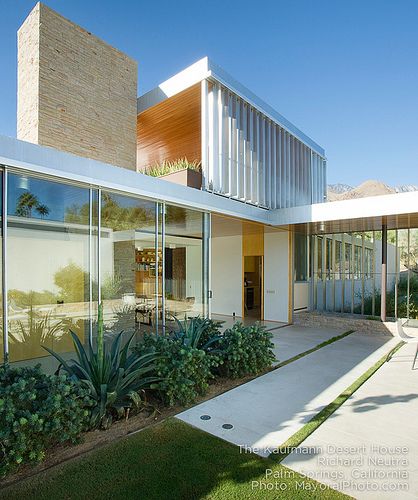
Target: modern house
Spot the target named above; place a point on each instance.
(247, 233)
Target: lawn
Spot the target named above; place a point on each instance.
(168, 461)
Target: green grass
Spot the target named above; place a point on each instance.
(300, 436)
(168, 461)
(310, 351)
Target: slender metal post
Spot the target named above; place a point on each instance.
(363, 251)
(324, 272)
(333, 270)
(343, 273)
(396, 272)
(384, 272)
(4, 270)
(352, 256)
(206, 240)
(374, 275)
(157, 266)
(163, 265)
(99, 256)
(408, 292)
(91, 265)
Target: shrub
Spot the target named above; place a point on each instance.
(245, 350)
(168, 167)
(184, 370)
(114, 375)
(36, 412)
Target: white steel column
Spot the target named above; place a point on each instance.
(204, 132)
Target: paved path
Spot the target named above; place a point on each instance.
(382, 412)
(268, 410)
(293, 340)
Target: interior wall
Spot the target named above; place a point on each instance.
(226, 268)
(276, 276)
(194, 271)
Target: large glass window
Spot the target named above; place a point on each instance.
(130, 264)
(183, 253)
(49, 261)
(301, 257)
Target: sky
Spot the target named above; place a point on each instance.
(344, 72)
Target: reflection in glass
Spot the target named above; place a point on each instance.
(130, 264)
(48, 265)
(183, 264)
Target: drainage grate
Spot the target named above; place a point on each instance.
(227, 426)
(205, 417)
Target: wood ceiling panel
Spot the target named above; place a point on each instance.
(170, 129)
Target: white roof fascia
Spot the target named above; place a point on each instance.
(206, 69)
(359, 208)
(65, 166)
(177, 83)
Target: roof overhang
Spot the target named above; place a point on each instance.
(65, 166)
(398, 211)
(205, 69)
(364, 214)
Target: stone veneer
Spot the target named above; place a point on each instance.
(75, 92)
(346, 322)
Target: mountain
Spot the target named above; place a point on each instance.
(338, 192)
(407, 188)
(339, 188)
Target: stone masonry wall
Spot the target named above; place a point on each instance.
(346, 322)
(75, 92)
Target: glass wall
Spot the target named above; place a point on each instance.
(348, 273)
(183, 272)
(69, 247)
(48, 265)
(130, 263)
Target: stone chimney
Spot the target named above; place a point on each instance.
(75, 92)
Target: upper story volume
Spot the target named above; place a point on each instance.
(248, 151)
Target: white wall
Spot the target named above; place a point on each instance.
(276, 276)
(300, 296)
(194, 272)
(227, 281)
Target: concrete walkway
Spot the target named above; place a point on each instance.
(265, 412)
(293, 340)
(380, 423)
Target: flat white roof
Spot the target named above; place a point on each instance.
(206, 69)
(398, 210)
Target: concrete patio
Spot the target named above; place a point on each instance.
(379, 421)
(265, 412)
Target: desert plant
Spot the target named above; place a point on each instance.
(245, 350)
(168, 167)
(184, 371)
(197, 332)
(36, 412)
(114, 376)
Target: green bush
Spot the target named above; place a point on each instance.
(245, 350)
(185, 370)
(38, 411)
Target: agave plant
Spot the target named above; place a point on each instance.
(197, 332)
(114, 376)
